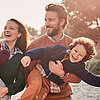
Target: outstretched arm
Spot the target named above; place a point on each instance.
(19, 83)
(89, 77)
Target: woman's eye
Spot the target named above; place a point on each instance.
(5, 28)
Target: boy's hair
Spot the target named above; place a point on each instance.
(88, 44)
(59, 10)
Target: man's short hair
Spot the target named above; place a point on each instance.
(60, 11)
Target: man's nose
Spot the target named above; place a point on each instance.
(46, 23)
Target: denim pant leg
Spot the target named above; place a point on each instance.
(2, 85)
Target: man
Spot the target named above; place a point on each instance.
(55, 22)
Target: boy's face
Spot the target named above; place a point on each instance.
(77, 53)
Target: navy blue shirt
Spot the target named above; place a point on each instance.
(58, 52)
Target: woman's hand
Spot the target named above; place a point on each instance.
(56, 68)
(26, 60)
(3, 91)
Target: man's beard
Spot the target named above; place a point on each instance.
(55, 31)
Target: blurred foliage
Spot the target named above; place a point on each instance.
(42, 30)
(94, 66)
(1, 36)
(82, 15)
(32, 31)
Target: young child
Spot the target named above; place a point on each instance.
(81, 50)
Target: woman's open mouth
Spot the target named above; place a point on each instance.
(7, 35)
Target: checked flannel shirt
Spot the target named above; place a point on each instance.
(54, 88)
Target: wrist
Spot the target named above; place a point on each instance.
(61, 72)
(62, 76)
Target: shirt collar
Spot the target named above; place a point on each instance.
(16, 49)
(58, 40)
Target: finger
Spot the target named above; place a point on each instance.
(27, 63)
(59, 64)
(51, 65)
(1, 96)
(23, 61)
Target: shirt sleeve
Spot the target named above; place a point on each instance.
(45, 53)
(71, 78)
(19, 82)
(89, 77)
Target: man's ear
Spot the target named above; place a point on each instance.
(62, 22)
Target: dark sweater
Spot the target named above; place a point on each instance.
(58, 52)
(12, 74)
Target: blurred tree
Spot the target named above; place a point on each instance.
(32, 31)
(42, 30)
(83, 18)
(1, 36)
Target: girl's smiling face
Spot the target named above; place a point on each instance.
(77, 53)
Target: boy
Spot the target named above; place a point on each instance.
(81, 50)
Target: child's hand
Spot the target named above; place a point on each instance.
(26, 60)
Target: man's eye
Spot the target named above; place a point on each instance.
(12, 28)
(50, 19)
(75, 50)
(81, 55)
(45, 19)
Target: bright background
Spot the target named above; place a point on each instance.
(29, 12)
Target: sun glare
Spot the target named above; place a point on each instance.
(29, 12)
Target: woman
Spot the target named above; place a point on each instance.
(12, 72)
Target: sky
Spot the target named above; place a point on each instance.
(29, 12)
